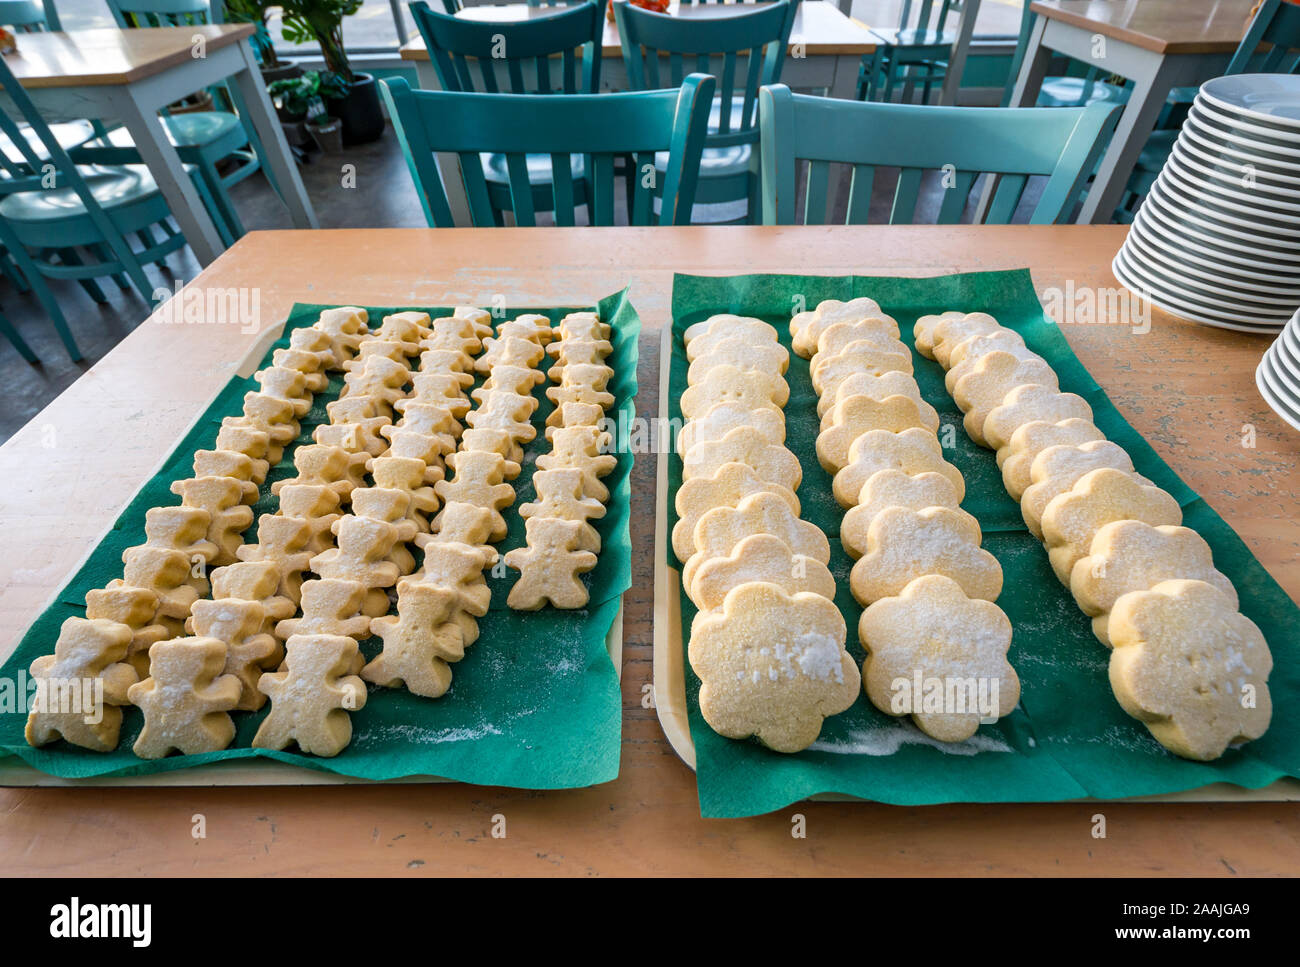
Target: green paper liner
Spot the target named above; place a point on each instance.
(534, 704)
(1068, 738)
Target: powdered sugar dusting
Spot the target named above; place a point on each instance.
(892, 737)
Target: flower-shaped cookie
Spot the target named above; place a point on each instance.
(858, 415)
(700, 336)
(912, 451)
(952, 646)
(743, 353)
(985, 387)
(718, 420)
(760, 557)
(828, 372)
(1128, 555)
(1056, 469)
(956, 328)
(875, 331)
(1073, 518)
(1031, 439)
(726, 488)
(893, 488)
(878, 387)
(772, 665)
(806, 328)
(772, 462)
(727, 384)
(903, 545)
(1027, 404)
(1190, 667)
(722, 528)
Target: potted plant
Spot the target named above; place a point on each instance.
(258, 13)
(301, 101)
(357, 106)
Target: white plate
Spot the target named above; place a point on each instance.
(1269, 134)
(1193, 187)
(1266, 382)
(1273, 182)
(1270, 199)
(1212, 124)
(1175, 222)
(1165, 231)
(1175, 307)
(1188, 302)
(1285, 368)
(1182, 261)
(1274, 98)
(1268, 246)
(1220, 296)
(1292, 334)
(1275, 168)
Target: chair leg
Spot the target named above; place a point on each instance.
(10, 333)
(43, 294)
(229, 225)
(12, 273)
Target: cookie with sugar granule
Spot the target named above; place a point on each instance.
(760, 557)
(726, 488)
(772, 665)
(1032, 438)
(744, 444)
(1190, 667)
(933, 632)
(903, 545)
(893, 488)
(1029, 404)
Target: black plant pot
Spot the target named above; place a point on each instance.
(363, 121)
(280, 73)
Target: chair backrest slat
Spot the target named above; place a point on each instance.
(521, 189)
(160, 13)
(562, 188)
(905, 196)
(597, 127)
(1277, 25)
(569, 33)
(819, 173)
(955, 196)
(1056, 144)
(761, 33)
(860, 185)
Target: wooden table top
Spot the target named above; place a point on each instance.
(818, 26)
(107, 56)
(69, 472)
(1163, 26)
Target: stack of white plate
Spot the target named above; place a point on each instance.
(1278, 374)
(1217, 239)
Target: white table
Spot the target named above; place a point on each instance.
(1157, 44)
(110, 74)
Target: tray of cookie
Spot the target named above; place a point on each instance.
(909, 552)
(395, 552)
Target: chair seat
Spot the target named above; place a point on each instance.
(1069, 92)
(915, 37)
(112, 187)
(195, 130)
(69, 135)
(539, 168)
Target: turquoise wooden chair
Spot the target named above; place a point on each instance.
(54, 214)
(960, 142)
(9, 332)
(1061, 91)
(916, 53)
(204, 139)
(599, 127)
(555, 54)
(1271, 46)
(758, 36)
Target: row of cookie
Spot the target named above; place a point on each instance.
(768, 641)
(927, 583)
(163, 578)
(560, 541)
(193, 680)
(1186, 662)
(438, 606)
